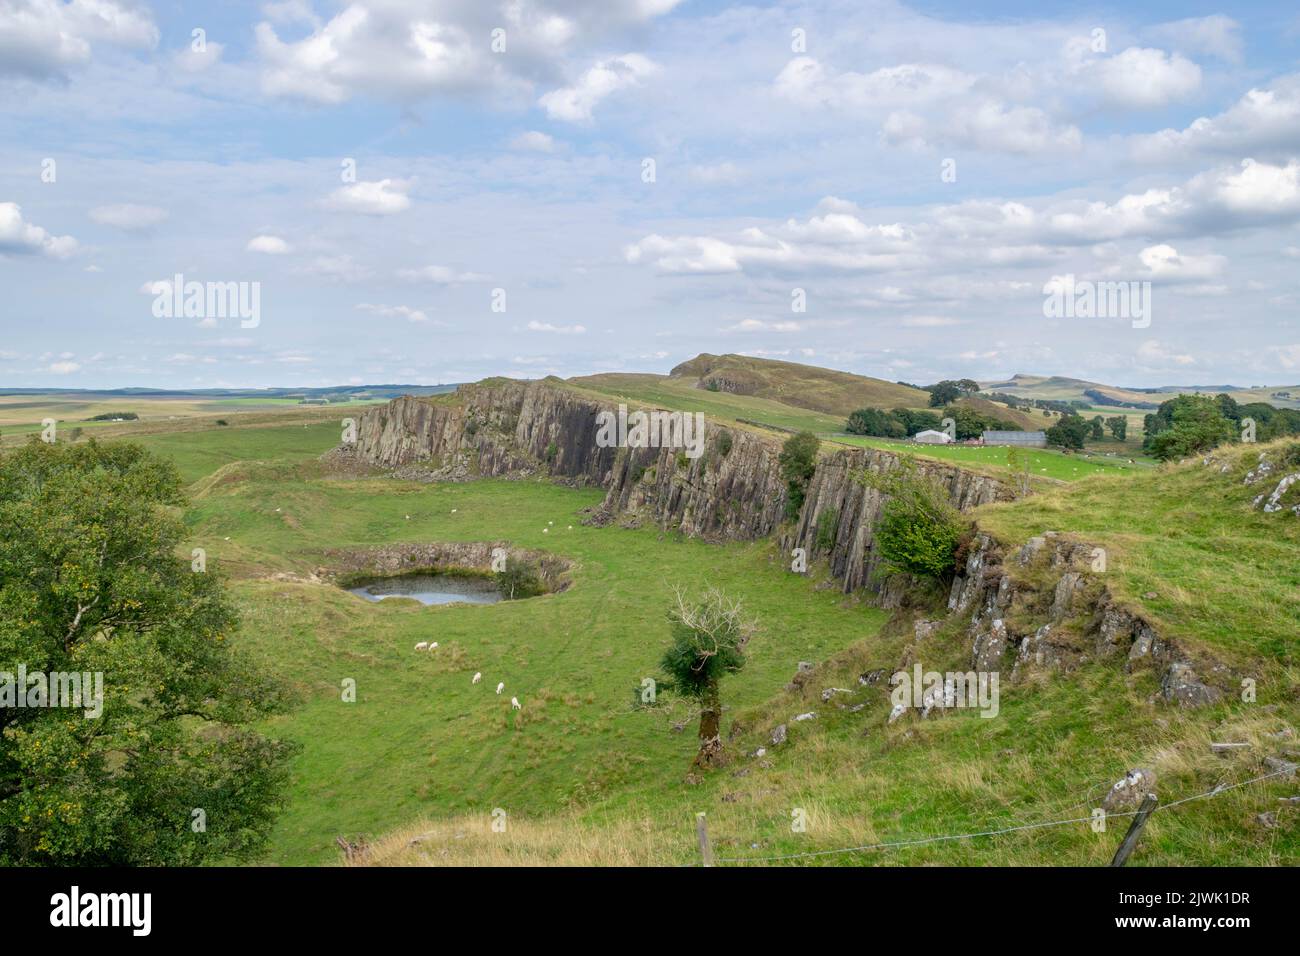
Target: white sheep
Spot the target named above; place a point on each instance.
(433, 646)
(422, 646)
(477, 678)
(514, 703)
(501, 686)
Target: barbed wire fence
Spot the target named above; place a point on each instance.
(1014, 828)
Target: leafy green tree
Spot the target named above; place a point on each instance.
(90, 583)
(1069, 432)
(919, 529)
(708, 643)
(798, 461)
(1118, 426)
(916, 421)
(1197, 423)
(877, 422)
(1097, 428)
(518, 579)
(943, 393)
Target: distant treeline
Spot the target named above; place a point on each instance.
(904, 422)
(1190, 424)
(1100, 398)
(115, 417)
(1071, 407)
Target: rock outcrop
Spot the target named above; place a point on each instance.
(510, 429)
(1073, 618)
(840, 513)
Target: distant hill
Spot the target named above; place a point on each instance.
(346, 391)
(1029, 422)
(1062, 389)
(803, 386)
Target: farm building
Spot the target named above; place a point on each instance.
(1025, 439)
(931, 437)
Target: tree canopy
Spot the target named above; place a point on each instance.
(168, 771)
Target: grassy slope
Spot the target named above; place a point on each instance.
(1223, 574)
(422, 739)
(673, 393)
(1044, 463)
(803, 386)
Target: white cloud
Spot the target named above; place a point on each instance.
(401, 311)
(19, 237)
(534, 142)
(557, 329)
(758, 325)
(806, 82)
(573, 104)
(409, 51)
(1264, 120)
(129, 217)
(382, 198)
(1141, 77)
(271, 245)
(720, 173)
(1157, 356)
(44, 38)
(1215, 35)
(982, 232)
(1163, 262)
(442, 275)
(63, 368)
(190, 60)
(341, 268)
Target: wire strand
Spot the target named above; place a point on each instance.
(1216, 791)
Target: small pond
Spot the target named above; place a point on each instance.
(430, 589)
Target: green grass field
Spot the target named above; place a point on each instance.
(720, 406)
(425, 755)
(1043, 463)
(421, 739)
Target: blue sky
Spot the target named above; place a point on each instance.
(796, 146)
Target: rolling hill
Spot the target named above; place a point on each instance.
(804, 386)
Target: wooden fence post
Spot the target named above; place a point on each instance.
(702, 832)
(1134, 831)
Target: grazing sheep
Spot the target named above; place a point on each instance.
(477, 678)
(546, 531)
(433, 646)
(501, 686)
(422, 646)
(514, 703)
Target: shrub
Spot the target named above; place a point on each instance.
(827, 524)
(724, 443)
(551, 451)
(919, 530)
(1196, 424)
(518, 579)
(798, 461)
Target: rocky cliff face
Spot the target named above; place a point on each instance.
(1050, 610)
(507, 429)
(839, 513)
(734, 490)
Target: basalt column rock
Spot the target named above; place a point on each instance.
(840, 513)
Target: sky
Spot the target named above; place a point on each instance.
(439, 191)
